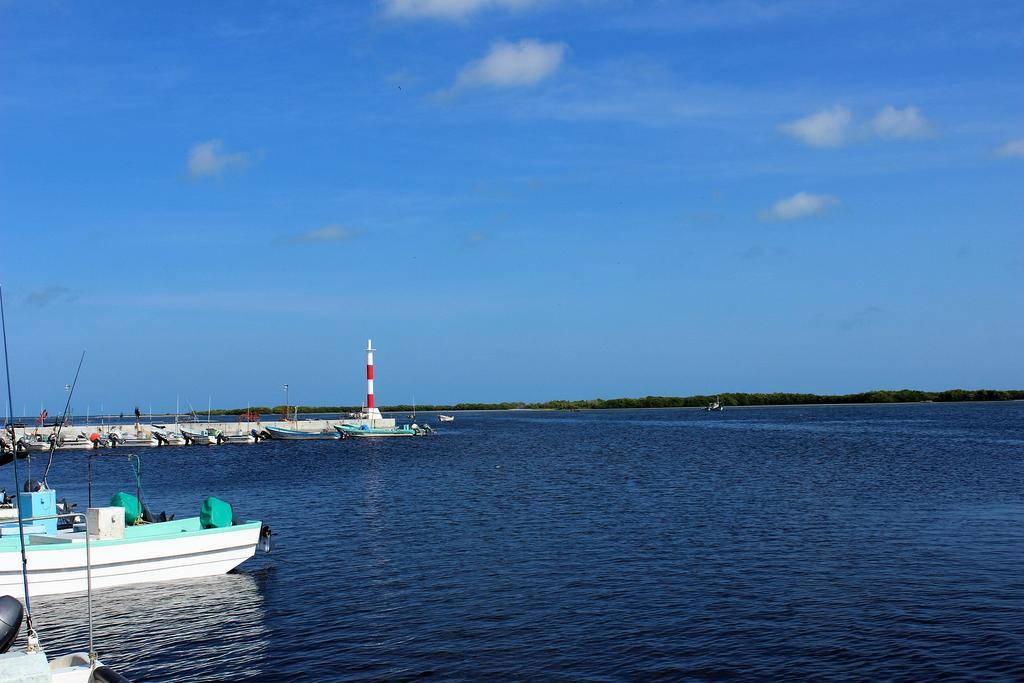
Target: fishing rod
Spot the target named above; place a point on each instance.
(55, 437)
(33, 637)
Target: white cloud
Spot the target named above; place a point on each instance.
(448, 10)
(826, 128)
(1013, 148)
(328, 233)
(892, 124)
(512, 64)
(798, 206)
(834, 127)
(209, 159)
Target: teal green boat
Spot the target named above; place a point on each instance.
(365, 431)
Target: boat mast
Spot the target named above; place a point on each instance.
(33, 639)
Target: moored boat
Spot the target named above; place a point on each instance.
(33, 443)
(125, 439)
(445, 418)
(78, 442)
(166, 437)
(200, 437)
(298, 434)
(365, 431)
(239, 438)
(163, 551)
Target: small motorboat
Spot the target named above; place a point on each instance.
(365, 431)
(166, 437)
(201, 437)
(125, 439)
(34, 443)
(715, 405)
(64, 442)
(445, 418)
(78, 442)
(239, 438)
(125, 553)
(298, 434)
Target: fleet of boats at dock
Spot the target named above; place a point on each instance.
(72, 438)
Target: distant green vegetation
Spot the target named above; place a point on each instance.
(730, 399)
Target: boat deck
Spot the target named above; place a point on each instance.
(176, 528)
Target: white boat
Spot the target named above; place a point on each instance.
(445, 418)
(201, 437)
(715, 405)
(34, 443)
(78, 442)
(239, 438)
(125, 439)
(162, 551)
(167, 437)
(37, 443)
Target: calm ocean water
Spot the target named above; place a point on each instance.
(767, 543)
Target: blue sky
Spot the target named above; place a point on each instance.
(517, 199)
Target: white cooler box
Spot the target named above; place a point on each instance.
(104, 523)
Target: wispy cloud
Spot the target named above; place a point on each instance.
(510, 65)
(1012, 148)
(826, 128)
(835, 127)
(44, 296)
(800, 205)
(448, 10)
(328, 233)
(210, 159)
(893, 124)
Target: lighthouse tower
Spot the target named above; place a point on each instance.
(372, 413)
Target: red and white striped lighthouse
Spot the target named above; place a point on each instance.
(371, 410)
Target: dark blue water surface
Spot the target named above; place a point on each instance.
(761, 543)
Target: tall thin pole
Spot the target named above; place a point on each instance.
(33, 639)
(67, 407)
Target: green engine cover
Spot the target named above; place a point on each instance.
(216, 514)
(132, 508)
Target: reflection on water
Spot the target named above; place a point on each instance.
(212, 628)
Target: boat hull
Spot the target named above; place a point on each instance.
(134, 442)
(198, 438)
(358, 433)
(296, 435)
(60, 567)
(77, 445)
